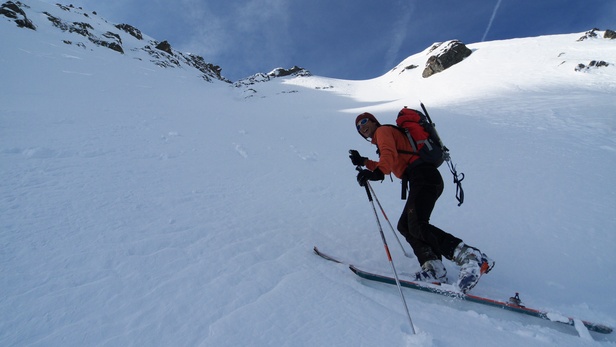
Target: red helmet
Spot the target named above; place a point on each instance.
(366, 115)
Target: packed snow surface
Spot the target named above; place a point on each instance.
(143, 206)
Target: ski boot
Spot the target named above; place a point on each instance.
(432, 271)
(473, 264)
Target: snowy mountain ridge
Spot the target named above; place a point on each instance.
(141, 205)
(89, 31)
(78, 24)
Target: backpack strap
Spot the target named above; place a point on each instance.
(414, 144)
(408, 136)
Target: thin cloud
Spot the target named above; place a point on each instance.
(398, 37)
(491, 20)
(209, 30)
(245, 33)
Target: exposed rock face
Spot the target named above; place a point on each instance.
(294, 71)
(13, 11)
(278, 72)
(590, 34)
(109, 40)
(247, 83)
(592, 64)
(446, 55)
(210, 71)
(131, 30)
(165, 47)
(162, 54)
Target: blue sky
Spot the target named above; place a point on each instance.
(348, 39)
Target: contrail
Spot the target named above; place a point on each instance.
(491, 20)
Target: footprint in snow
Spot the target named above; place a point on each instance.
(239, 149)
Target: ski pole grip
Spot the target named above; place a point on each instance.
(367, 185)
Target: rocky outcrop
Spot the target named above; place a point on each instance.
(590, 34)
(110, 40)
(13, 11)
(445, 55)
(210, 71)
(160, 53)
(278, 72)
(594, 64)
(294, 71)
(131, 30)
(591, 65)
(164, 56)
(165, 47)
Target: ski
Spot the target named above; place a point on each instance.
(513, 305)
(327, 256)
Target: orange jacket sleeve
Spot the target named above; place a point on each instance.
(389, 140)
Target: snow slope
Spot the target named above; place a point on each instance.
(144, 206)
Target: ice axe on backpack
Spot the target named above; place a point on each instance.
(457, 179)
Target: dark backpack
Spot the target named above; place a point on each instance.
(422, 136)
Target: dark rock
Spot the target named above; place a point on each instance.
(57, 22)
(162, 54)
(160, 59)
(449, 54)
(210, 71)
(592, 64)
(131, 30)
(294, 71)
(113, 36)
(177, 59)
(610, 34)
(111, 45)
(165, 47)
(84, 29)
(80, 28)
(278, 72)
(589, 35)
(599, 63)
(13, 11)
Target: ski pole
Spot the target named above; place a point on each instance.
(391, 262)
(388, 222)
(387, 219)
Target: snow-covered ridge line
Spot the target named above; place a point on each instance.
(99, 32)
(89, 30)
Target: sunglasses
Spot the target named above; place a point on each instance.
(362, 123)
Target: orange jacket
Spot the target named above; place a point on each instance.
(389, 140)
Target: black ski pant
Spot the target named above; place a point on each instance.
(428, 242)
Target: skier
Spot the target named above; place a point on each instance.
(430, 244)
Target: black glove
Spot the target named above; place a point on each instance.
(365, 175)
(357, 159)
